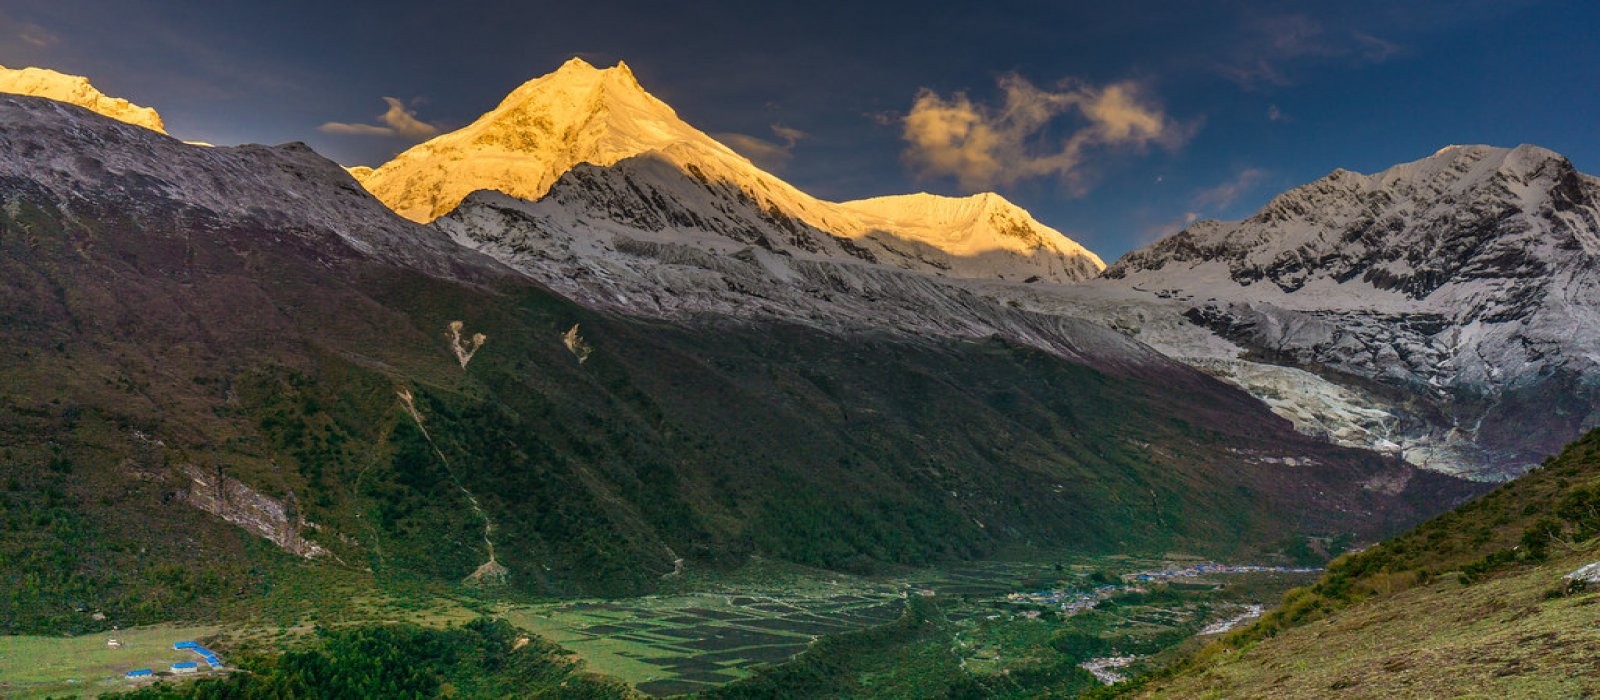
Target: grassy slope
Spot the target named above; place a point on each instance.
(38, 666)
(1470, 603)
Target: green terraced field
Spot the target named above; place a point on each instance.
(665, 645)
(726, 630)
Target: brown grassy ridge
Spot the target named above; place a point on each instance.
(1469, 604)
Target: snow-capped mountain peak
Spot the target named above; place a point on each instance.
(580, 114)
(579, 94)
(76, 90)
(1466, 279)
(577, 114)
(1412, 227)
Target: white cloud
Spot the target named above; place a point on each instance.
(983, 146)
(769, 155)
(790, 135)
(396, 121)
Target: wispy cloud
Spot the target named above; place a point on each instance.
(24, 34)
(1374, 49)
(1274, 48)
(770, 155)
(1223, 195)
(1210, 201)
(396, 121)
(987, 145)
(21, 39)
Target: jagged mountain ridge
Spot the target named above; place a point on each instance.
(580, 114)
(643, 238)
(210, 186)
(1461, 288)
(76, 90)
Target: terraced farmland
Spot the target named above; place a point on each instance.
(678, 644)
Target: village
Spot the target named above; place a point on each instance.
(1211, 568)
(178, 668)
(1069, 601)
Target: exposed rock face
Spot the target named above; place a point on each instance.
(1583, 578)
(1458, 291)
(234, 501)
(76, 90)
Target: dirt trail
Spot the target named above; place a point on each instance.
(490, 571)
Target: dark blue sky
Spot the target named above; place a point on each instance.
(1252, 97)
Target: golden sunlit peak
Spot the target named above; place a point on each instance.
(578, 72)
(76, 90)
(575, 63)
(578, 64)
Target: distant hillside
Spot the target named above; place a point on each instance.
(231, 370)
(1472, 603)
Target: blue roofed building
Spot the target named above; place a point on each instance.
(186, 667)
(184, 645)
(140, 674)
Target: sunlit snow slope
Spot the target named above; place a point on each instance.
(73, 89)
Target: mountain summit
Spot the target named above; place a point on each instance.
(581, 114)
(578, 114)
(76, 90)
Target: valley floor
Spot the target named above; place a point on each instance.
(1007, 628)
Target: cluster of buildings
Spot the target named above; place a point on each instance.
(1071, 601)
(182, 667)
(1105, 668)
(1208, 568)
